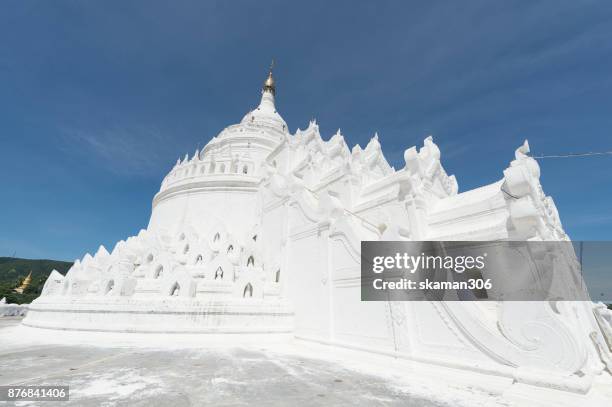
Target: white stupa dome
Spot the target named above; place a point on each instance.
(266, 114)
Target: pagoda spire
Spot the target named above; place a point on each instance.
(269, 85)
(24, 284)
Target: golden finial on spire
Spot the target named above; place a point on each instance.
(269, 85)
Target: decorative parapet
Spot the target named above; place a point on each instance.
(533, 214)
(426, 171)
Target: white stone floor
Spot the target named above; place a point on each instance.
(119, 373)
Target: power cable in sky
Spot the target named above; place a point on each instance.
(571, 155)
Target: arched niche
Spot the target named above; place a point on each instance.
(110, 285)
(175, 290)
(248, 291)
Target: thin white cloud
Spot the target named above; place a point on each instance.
(138, 150)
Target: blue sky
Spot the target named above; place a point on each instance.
(98, 99)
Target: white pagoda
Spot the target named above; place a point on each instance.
(260, 231)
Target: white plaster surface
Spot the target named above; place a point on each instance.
(113, 369)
